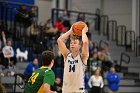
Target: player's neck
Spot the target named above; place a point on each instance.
(74, 54)
(49, 67)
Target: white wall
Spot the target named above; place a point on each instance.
(53, 3)
(135, 16)
(62, 4)
(45, 7)
(120, 10)
(85, 5)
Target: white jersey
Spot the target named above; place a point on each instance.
(73, 80)
(8, 49)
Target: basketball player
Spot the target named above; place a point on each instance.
(74, 60)
(42, 78)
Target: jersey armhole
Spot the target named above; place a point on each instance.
(66, 57)
(82, 60)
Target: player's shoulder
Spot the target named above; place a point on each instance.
(49, 72)
(68, 55)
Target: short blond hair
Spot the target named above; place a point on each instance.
(75, 37)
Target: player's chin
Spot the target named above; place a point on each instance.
(72, 49)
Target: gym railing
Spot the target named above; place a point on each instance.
(125, 58)
(130, 41)
(112, 30)
(120, 36)
(17, 30)
(8, 11)
(19, 81)
(137, 46)
(97, 20)
(56, 13)
(103, 24)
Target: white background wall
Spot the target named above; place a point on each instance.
(45, 7)
(85, 5)
(135, 17)
(120, 10)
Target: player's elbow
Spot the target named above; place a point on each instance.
(85, 55)
(59, 40)
(85, 42)
(46, 88)
(47, 91)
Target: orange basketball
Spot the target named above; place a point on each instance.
(78, 27)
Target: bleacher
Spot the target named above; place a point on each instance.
(129, 73)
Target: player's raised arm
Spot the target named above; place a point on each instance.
(85, 47)
(61, 44)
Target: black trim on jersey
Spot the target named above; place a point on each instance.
(82, 61)
(73, 58)
(81, 88)
(66, 57)
(68, 53)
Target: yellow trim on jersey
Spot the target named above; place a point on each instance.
(43, 67)
(40, 89)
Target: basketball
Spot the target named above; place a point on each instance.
(78, 27)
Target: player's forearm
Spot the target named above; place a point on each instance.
(84, 38)
(49, 91)
(65, 35)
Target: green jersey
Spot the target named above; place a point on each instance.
(39, 77)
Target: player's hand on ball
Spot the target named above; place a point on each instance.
(71, 28)
(85, 29)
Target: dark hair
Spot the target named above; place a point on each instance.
(99, 71)
(9, 39)
(47, 57)
(35, 58)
